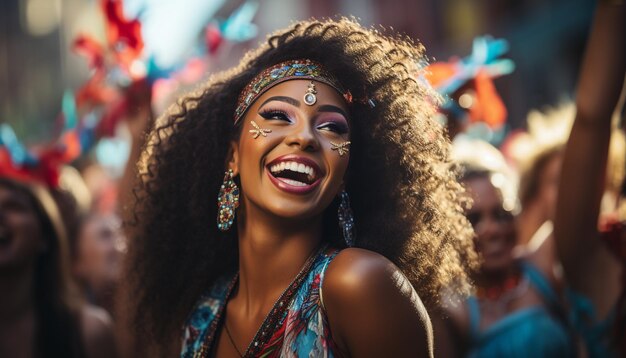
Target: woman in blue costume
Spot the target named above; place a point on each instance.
(593, 270)
(516, 311)
(320, 158)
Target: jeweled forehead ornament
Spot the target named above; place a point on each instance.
(302, 69)
(309, 96)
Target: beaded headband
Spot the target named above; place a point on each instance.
(281, 72)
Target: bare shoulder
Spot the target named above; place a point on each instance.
(372, 307)
(355, 272)
(97, 329)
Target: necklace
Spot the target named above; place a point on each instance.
(497, 299)
(495, 292)
(274, 317)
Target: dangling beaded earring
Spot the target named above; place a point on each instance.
(227, 202)
(346, 220)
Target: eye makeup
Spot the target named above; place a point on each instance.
(272, 114)
(328, 118)
(334, 124)
(499, 215)
(275, 112)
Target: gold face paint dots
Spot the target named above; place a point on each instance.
(341, 148)
(258, 131)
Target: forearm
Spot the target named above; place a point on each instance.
(584, 164)
(129, 178)
(602, 72)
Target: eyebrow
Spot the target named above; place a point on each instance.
(331, 108)
(291, 101)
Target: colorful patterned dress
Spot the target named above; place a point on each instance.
(296, 326)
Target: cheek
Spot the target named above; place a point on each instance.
(27, 231)
(337, 166)
(548, 194)
(340, 163)
(476, 242)
(480, 239)
(252, 150)
(552, 193)
(26, 224)
(88, 239)
(510, 232)
(101, 243)
(250, 153)
(550, 182)
(251, 164)
(94, 250)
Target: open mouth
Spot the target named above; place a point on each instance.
(496, 248)
(294, 174)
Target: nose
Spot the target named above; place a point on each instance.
(487, 228)
(304, 137)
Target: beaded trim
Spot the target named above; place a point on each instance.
(281, 72)
(273, 319)
(205, 348)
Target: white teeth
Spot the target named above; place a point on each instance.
(293, 182)
(294, 167)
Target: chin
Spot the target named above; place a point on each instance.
(296, 207)
(496, 265)
(294, 212)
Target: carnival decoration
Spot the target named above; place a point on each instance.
(130, 64)
(41, 165)
(126, 72)
(467, 83)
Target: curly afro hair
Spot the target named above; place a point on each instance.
(409, 209)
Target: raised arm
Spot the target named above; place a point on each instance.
(584, 164)
(138, 119)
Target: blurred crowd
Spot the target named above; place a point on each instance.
(544, 201)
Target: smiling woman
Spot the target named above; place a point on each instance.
(40, 314)
(337, 213)
(516, 310)
(301, 173)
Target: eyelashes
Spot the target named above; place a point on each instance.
(335, 126)
(275, 114)
(499, 215)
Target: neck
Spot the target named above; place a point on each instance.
(17, 287)
(271, 254)
(529, 221)
(496, 278)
